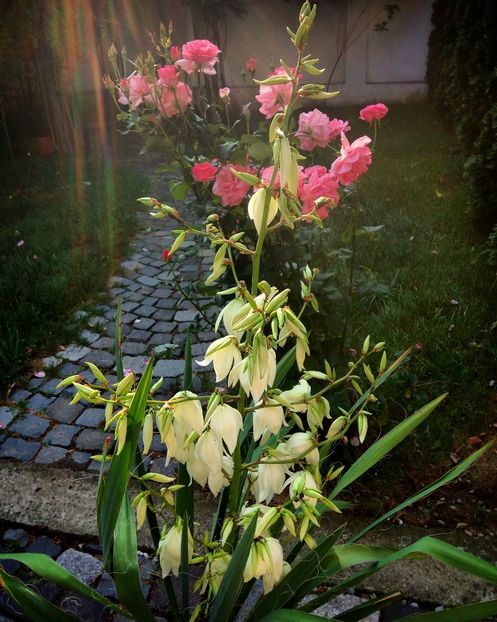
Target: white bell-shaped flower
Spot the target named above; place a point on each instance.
(227, 315)
(187, 412)
(273, 558)
(223, 354)
(302, 443)
(268, 418)
(210, 451)
(256, 209)
(298, 396)
(270, 478)
(169, 549)
(226, 423)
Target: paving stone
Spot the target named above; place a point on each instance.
(139, 335)
(96, 321)
(19, 449)
(207, 336)
(6, 416)
(167, 350)
(150, 270)
(116, 291)
(127, 307)
(44, 545)
(146, 291)
(131, 267)
(92, 418)
(169, 368)
(148, 281)
(50, 387)
(94, 467)
(110, 329)
(91, 440)
(164, 315)
(104, 343)
(133, 348)
(62, 434)
(119, 281)
(74, 353)
(135, 363)
(163, 327)
(50, 361)
(102, 359)
(186, 316)
(150, 301)
(78, 459)
(20, 395)
(82, 565)
(167, 276)
(166, 303)
(30, 425)
(69, 369)
(51, 456)
(143, 323)
(89, 336)
(159, 339)
(199, 349)
(16, 537)
(111, 314)
(62, 411)
(34, 383)
(163, 292)
(128, 318)
(145, 311)
(133, 297)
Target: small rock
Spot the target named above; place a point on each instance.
(50, 361)
(89, 336)
(17, 537)
(82, 565)
(44, 545)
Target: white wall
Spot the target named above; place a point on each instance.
(374, 65)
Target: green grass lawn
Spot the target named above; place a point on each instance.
(60, 238)
(442, 290)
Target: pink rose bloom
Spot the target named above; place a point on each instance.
(168, 76)
(354, 160)
(199, 54)
(139, 91)
(374, 112)
(314, 130)
(229, 188)
(317, 168)
(224, 93)
(175, 99)
(251, 65)
(204, 172)
(274, 98)
(319, 185)
(175, 53)
(337, 126)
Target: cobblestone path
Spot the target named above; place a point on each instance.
(39, 424)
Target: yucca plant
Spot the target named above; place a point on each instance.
(264, 447)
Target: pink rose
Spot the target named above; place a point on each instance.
(175, 53)
(337, 126)
(319, 185)
(374, 112)
(229, 188)
(274, 98)
(168, 75)
(139, 91)
(204, 172)
(175, 99)
(317, 168)
(314, 129)
(199, 54)
(354, 160)
(251, 65)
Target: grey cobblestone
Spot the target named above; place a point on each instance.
(150, 301)
(51, 456)
(159, 339)
(145, 311)
(82, 565)
(139, 335)
(62, 434)
(135, 363)
(166, 303)
(127, 307)
(20, 395)
(89, 336)
(50, 387)
(163, 292)
(19, 449)
(133, 348)
(104, 343)
(163, 327)
(143, 323)
(91, 440)
(148, 281)
(74, 353)
(164, 315)
(6, 416)
(186, 316)
(78, 459)
(102, 359)
(91, 418)
(169, 368)
(62, 411)
(30, 426)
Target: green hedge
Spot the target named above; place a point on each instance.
(462, 79)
